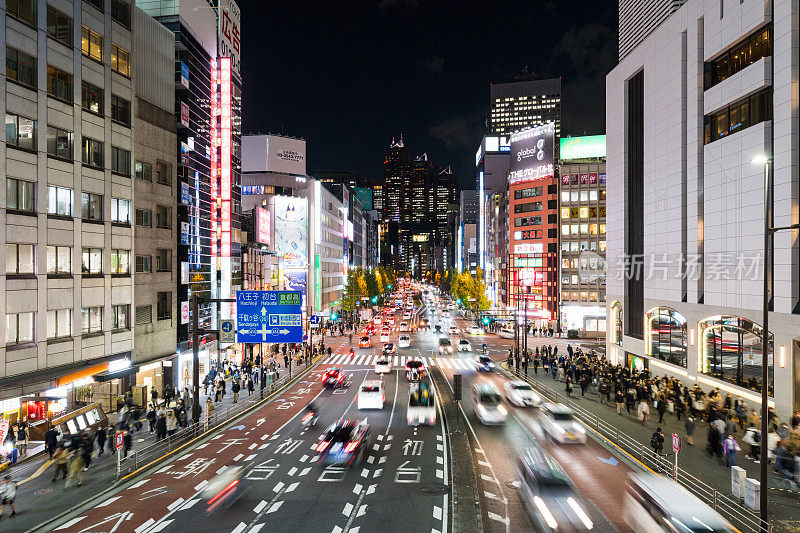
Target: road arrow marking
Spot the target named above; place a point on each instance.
(610, 461)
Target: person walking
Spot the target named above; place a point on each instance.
(161, 427)
(101, 439)
(61, 458)
(688, 425)
(619, 399)
(172, 422)
(657, 441)
(729, 448)
(51, 441)
(22, 437)
(643, 411)
(8, 491)
(250, 386)
(76, 467)
(209, 410)
(661, 408)
(235, 388)
(568, 387)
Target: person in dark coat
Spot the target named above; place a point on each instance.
(662, 408)
(161, 427)
(101, 439)
(51, 441)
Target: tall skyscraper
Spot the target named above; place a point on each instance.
(524, 103)
(395, 176)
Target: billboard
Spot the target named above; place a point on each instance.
(262, 225)
(295, 280)
(365, 197)
(588, 147)
(273, 153)
(291, 231)
(532, 154)
(229, 36)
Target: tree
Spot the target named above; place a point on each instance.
(350, 287)
(438, 277)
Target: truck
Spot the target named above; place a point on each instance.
(421, 404)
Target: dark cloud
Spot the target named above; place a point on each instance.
(434, 64)
(457, 132)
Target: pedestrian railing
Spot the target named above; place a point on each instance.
(735, 512)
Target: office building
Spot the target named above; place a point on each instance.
(339, 177)
(686, 203)
(638, 19)
(524, 103)
(582, 217)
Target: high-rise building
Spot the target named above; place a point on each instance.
(395, 180)
(686, 200)
(523, 104)
(340, 177)
(638, 19)
(66, 285)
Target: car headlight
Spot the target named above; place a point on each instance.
(579, 428)
(481, 409)
(502, 410)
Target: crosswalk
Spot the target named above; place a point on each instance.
(465, 363)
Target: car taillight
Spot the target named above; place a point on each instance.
(223, 492)
(322, 446)
(350, 447)
(308, 416)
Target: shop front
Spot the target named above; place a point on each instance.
(636, 363)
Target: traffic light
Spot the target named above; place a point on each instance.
(458, 301)
(334, 317)
(390, 286)
(486, 321)
(374, 299)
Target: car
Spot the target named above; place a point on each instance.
(385, 335)
(464, 345)
(421, 404)
(484, 363)
(345, 442)
(365, 342)
(445, 346)
(226, 487)
(488, 404)
(383, 365)
(404, 340)
(454, 330)
(389, 349)
(415, 370)
(391, 320)
(521, 394)
(369, 330)
(406, 316)
(476, 330)
(404, 326)
(371, 394)
(506, 332)
(559, 423)
(437, 328)
(333, 377)
(377, 320)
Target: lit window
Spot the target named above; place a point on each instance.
(19, 258)
(565, 212)
(91, 44)
(565, 229)
(91, 320)
(584, 212)
(59, 260)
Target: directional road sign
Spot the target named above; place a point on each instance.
(314, 319)
(269, 316)
(227, 332)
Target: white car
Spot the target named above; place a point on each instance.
(521, 394)
(383, 365)
(454, 330)
(406, 316)
(404, 341)
(488, 404)
(560, 425)
(404, 326)
(476, 330)
(464, 346)
(385, 335)
(445, 346)
(371, 395)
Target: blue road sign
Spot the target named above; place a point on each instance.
(314, 319)
(226, 331)
(269, 316)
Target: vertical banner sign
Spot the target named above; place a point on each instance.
(184, 114)
(532, 154)
(225, 155)
(4, 424)
(230, 41)
(317, 282)
(269, 316)
(213, 157)
(184, 74)
(291, 230)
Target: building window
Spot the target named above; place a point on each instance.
(120, 161)
(731, 350)
(59, 323)
(59, 142)
(19, 328)
(92, 153)
(19, 258)
(21, 67)
(144, 314)
(530, 192)
(59, 260)
(120, 210)
(120, 60)
(59, 26)
(755, 47)
(92, 98)
(665, 336)
(120, 110)
(164, 173)
(748, 112)
(92, 261)
(91, 206)
(19, 194)
(163, 217)
(91, 44)
(528, 207)
(59, 201)
(21, 132)
(121, 12)
(144, 263)
(144, 217)
(144, 171)
(59, 84)
(120, 261)
(120, 314)
(24, 10)
(163, 260)
(91, 320)
(164, 311)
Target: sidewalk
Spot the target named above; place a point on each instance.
(783, 496)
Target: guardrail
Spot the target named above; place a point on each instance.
(740, 516)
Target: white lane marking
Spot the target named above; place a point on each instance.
(250, 457)
(357, 488)
(483, 463)
(371, 459)
(217, 437)
(201, 485)
(275, 436)
(263, 446)
(439, 474)
(278, 487)
(162, 470)
(305, 471)
(252, 446)
(291, 487)
(377, 473)
(403, 360)
(304, 459)
(437, 512)
(394, 402)
(144, 526)
(439, 459)
(381, 460)
(265, 436)
(189, 504)
(348, 508)
(222, 469)
(71, 523)
(480, 451)
(256, 528)
(239, 456)
(202, 446)
(364, 473)
(380, 437)
(184, 456)
(371, 489)
(239, 528)
(361, 510)
(108, 501)
(274, 507)
(493, 516)
(138, 484)
(260, 507)
(292, 471)
(396, 360)
(386, 447)
(427, 362)
(176, 503)
(160, 527)
(490, 495)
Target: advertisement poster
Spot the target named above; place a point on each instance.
(184, 74)
(295, 280)
(184, 114)
(230, 38)
(262, 226)
(532, 154)
(291, 231)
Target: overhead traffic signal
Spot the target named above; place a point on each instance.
(334, 317)
(486, 321)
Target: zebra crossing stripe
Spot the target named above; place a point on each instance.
(396, 360)
(403, 361)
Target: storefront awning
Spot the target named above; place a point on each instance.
(109, 375)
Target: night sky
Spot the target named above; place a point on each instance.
(349, 76)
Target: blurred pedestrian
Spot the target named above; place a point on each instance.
(51, 441)
(61, 458)
(8, 491)
(76, 467)
(688, 425)
(729, 448)
(643, 411)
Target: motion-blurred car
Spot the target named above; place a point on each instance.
(464, 345)
(389, 349)
(365, 342)
(415, 370)
(333, 377)
(521, 394)
(383, 365)
(406, 316)
(345, 442)
(484, 364)
(371, 395)
(385, 335)
(404, 326)
(454, 330)
(488, 404)
(391, 320)
(421, 404)
(548, 495)
(558, 421)
(475, 330)
(404, 340)
(226, 487)
(445, 346)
